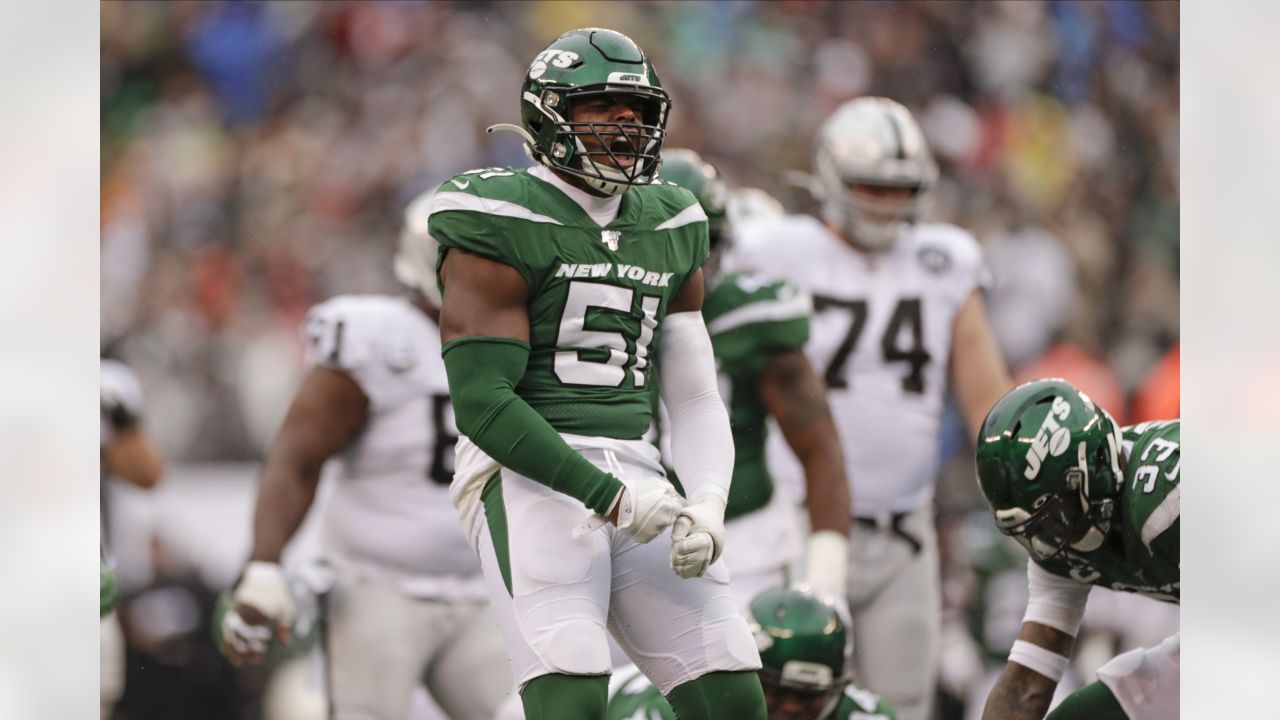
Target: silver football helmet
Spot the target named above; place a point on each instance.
(415, 261)
(748, 203)
(872, 141)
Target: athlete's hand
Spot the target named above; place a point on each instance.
(697, 538)
(827, 564)
(262, 607)
(644, 509)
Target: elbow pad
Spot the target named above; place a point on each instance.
(701, 441)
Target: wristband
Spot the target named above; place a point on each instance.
(1033, 657)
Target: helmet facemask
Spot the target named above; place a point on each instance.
(1070, 517)
(866, 217)
(610, 156)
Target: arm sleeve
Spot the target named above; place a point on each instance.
(1055, 601)
(503, 425)
(701, 440)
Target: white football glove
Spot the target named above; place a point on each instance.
(827, 564)
(697, 538)
(646, 508)
(264, 607)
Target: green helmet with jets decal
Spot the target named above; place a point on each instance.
(581, 64)
(690, 171)
(1048, 462)
(804, 644)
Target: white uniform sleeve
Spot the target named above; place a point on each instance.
(701, 441)
(350, 334)
(1055, 601)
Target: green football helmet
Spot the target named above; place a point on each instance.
(805, 648)
(581, 64)
(1048, 462)
(687, 169)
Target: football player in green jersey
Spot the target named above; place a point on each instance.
(804, 649)
(758, 329)
(1093, 504)
(564, 285)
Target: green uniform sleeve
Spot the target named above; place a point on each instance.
(483, 373)
(751, 318)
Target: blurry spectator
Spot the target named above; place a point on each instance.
(1159, 396)
(256, 155)
(1091, 375)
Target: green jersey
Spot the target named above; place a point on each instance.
(597, 295)
(752, 318)
(1140, 553)
(633, 697)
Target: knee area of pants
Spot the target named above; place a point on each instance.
(574, 648)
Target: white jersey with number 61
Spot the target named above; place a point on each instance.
(389, 516)
(881, 339)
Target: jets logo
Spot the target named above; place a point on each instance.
(610, 238)
(1051, 438)
(557, 58)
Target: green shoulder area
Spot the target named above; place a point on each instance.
(751, 315)
(663, 206)
(499, 193)
(1152, 486)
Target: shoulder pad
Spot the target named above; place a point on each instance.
(346, 332)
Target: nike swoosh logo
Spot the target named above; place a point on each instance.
(461, 185)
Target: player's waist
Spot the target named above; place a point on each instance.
(462, 586)
(900, 525)
(626, 417)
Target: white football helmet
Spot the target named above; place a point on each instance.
(872, 141)
(415, 261)
(747, 203)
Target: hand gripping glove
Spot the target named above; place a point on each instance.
(697, 538)
(646, 508)
(263, 607)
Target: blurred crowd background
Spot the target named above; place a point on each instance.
(257, 157)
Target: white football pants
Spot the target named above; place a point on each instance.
(567, 594)
(380, 645)
(895, 600)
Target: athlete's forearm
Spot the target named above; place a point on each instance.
(1022, 692)
(483, 373)
(796, 398)
(287, 491)
(328, 413)
(1019, 694)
